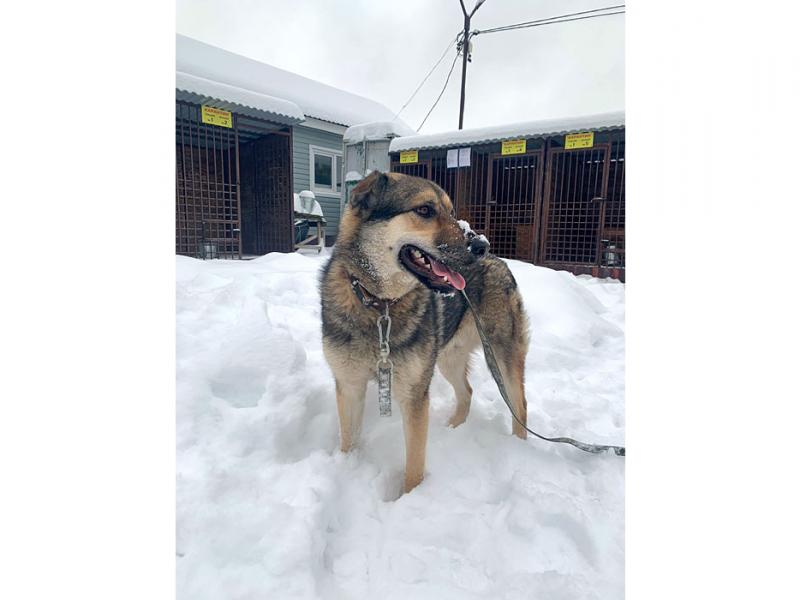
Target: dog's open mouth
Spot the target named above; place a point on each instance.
(430, 271)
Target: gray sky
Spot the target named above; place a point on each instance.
(382, 50)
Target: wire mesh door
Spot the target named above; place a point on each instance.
(207, 186)
(512, 201)
(574, 206)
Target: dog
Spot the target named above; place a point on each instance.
(400, 246)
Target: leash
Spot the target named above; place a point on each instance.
(491, 361)
(385, 367)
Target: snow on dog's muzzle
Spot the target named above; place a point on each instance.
(478, 245)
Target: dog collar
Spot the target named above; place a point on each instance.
(367, 299)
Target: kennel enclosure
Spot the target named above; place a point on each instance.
(547, 192)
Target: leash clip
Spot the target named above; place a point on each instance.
(384, 320)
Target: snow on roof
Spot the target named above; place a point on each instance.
(377, 130)
(315, 99)
(497, 133)
(223, 95)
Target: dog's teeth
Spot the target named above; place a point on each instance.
(417, 253)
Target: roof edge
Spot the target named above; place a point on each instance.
(510, 131)
(226, 93)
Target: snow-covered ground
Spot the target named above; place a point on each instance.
(267, 507)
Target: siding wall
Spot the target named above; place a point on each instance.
(303, 137)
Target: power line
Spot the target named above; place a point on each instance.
(556, 19)
(565, 18)
(441, 58)
(446, 81)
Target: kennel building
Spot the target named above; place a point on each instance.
(547, 192)
(250, 136)
(233, 175)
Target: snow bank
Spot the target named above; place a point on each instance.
(268, 507)
(509, 131)
(378, 130)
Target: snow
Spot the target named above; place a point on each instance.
(267, 507)
(237, 95)
(353, 176)
(299, 207)
(510, 131)
(315, 99)
(378, 130)
(469, 233)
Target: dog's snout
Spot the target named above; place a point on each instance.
(479, 246)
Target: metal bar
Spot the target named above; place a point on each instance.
(238, 180)
(290, 199)
(549, 160)
(537, 202)
(604, 195)
(214, 208)
(192, 237)
(583, 205)
(563, 194)
(206, 180)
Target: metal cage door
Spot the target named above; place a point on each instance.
(573, 214)
(512, 204)
(207, 186)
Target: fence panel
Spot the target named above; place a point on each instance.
(207, 186)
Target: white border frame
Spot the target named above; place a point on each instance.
(321, 150)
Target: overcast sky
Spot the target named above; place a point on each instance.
(382, 49)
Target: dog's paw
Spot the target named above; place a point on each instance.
(457, 419)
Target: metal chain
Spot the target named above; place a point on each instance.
(384, 367)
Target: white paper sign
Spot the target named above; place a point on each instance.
(452, 158)
(458, 157)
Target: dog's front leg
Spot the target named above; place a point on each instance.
(350, 402)
(414, 403)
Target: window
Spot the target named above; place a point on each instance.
(326, 171)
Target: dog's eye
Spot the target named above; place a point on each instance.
(424, 211)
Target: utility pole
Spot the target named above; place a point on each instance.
(465, 54)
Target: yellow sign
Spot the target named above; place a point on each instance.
(217, 116)
(579, 140)
(514, 147)
(409, 156)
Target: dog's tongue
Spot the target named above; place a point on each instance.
(455, 279)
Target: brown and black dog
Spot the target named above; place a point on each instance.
(400, 243)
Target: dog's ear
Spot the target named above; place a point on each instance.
(368, 191)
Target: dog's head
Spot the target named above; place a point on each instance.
(400, 231)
